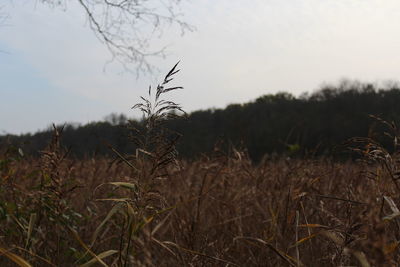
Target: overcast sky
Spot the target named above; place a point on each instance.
(52, 65)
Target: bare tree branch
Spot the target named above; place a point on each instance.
(3, 18)
(127, 27)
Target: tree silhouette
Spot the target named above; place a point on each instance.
(314, 124)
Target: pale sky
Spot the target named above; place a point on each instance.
(52, 65)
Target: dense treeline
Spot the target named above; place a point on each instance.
(312, 124)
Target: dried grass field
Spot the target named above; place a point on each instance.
(216, 211)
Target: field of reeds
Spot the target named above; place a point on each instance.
(153, 209)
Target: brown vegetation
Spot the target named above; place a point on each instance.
(150, 209)
(217, 211)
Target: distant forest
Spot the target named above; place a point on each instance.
(275, 124)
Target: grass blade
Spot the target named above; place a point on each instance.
(96, 257)
(32, 220)
(15, 258)
(100, 256)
